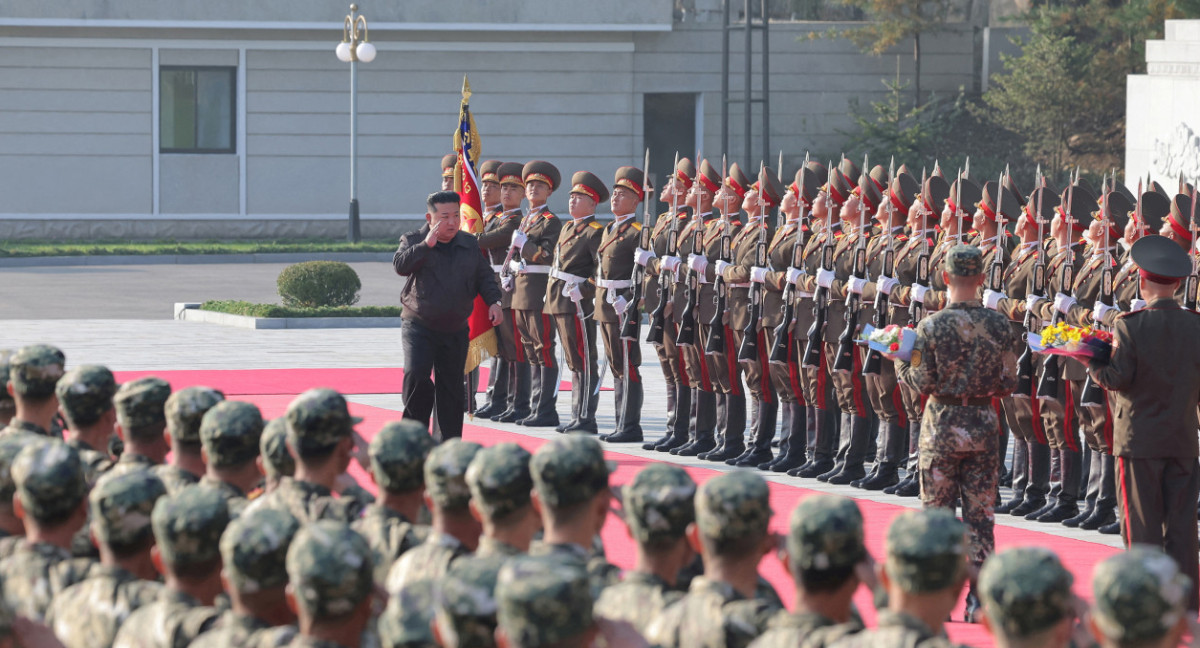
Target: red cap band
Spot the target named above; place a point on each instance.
(632, 187)
(587, 191)
(709, 184)
(1183, 232)
(737, 188)
(895, 200)
(684, 178)
(987, 211)
(1158, 279)
(1074, 223)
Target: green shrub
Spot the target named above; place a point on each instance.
(274, 310)
(318, 283)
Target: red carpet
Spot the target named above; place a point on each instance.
(1079, 556)
(247, 382)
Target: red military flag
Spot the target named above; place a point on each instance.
(466, 183)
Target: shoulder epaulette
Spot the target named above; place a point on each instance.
(637, 226)
(902, 237)
(595, 225)
(735, 222)
(548, 214)
(838, 234)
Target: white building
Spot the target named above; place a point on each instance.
(1162, 121)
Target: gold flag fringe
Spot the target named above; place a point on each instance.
(480, 349)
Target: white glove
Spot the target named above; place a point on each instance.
(642, 257)
(794, 275)
(758, 275)
(620, 305)
(573, 292)
(856, 285)
(991, 298)
(1137, 305)
(698, 263)
(919, 292)
(1063, 303)
(886, 285)
(721, 266)
(1099, 310)
(519, 239)
(671, 263)
(506, 282)
(825, 278)
(515, 265)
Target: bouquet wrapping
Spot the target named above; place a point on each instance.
(1083, 343)
(892, 340)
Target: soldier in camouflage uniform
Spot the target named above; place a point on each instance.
(274, 459)
(229, 437)
(254, 554)
(570, 488)
(544, 601)
(1140, 599)
(330, 577)
(52, 500)
(827, 559)
(185, 411)
(924, 574)
(187, 533)
(1027, 598)
(659, 505)
(85, 398)
(141, 424)
(12, 529)
(8, 406)
(407, 622)
(732, 514)
(33, 371)
(88, 613)
(454, 532)
(963, 358)
(320, 435)
(390, 527)
(464, 603)
(501, 485)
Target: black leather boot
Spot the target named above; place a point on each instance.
(589, 402)
(735, 429)
(518, 404)
(856, 454)
(678, 433)
(722, 401)
(672, 390)
(497, 392)
(785, 432)
(826, 438)
(706, 410)
(576, 396)
(760, 439)
(796, 453)
(545, 413)
(630, 429)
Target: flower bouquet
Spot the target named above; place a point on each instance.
(892, 340)
(1083, 343)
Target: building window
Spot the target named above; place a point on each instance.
(196, 109)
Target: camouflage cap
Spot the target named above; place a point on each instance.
(85, 393)
(330, 568)
(1025, 590)
(142, 403)
(188, 526)
(11, 445)
(465, 600)
(446, 473)
(273, 447)
(254, 549)
(229, 433)
(964, 261)
(318, 419)
(6, 400)
(120, 506)
(926, 550)
(733, 506)
(826, 533)
(34, 370)
(185, 410)
(569, 469)
(398, 454)
(1139, 595)
(660, 503)
(542, 600)
(405, 623)
(499, 479)
(50, 480)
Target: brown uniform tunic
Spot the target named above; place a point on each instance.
(780, 253)
(617, 244)
(575, 263)
(657, 289)
(722, 368)
(494, 240)
(529, 292)
(737, 281)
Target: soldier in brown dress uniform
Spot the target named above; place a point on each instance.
(448, 162)
(1154, 378)
(513, 400)
(571, 294)
(535, 239)
(614, 289)
(499, 222)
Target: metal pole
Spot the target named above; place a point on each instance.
(749, 87)
(766, 85)
(724, 83)
(354, 235)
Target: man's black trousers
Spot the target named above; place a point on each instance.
(444, 353)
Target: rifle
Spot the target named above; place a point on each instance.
(781, 345)
(996, 272)
(748, 350)
(916, 310)
(958, 210)
(1048, 386)
(844, 361)
(631, 319)
(658, 318)
(687, 319)
(715, 344)
(506, 270)
(1093, 394)
(816, 332)
(874, 358)
(1025, 362)
(1189, 288)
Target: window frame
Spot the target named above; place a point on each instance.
(233, 98)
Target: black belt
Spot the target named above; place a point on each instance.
(981, 401)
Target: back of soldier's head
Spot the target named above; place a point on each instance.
(659, 505)
(398, 454)
(926, 551)
(446, 474)
(185, 411)
(1025, 592)
(543, 601)
(230, 432)
(10, 446)
(569, 472)
(732, 513)
(406, 621)
(50, 481)
(825, 542)
(85, 394)
(1140, 597)
(500, 482)
(272, 446)
(34, 371)
(465, 602)
(254, 549)
(317, 421)
(330, 570)
(141, 408)
(187, 530)
(120, 507)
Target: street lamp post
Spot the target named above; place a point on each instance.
(354, 48)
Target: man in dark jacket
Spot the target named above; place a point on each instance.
(445, 271)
